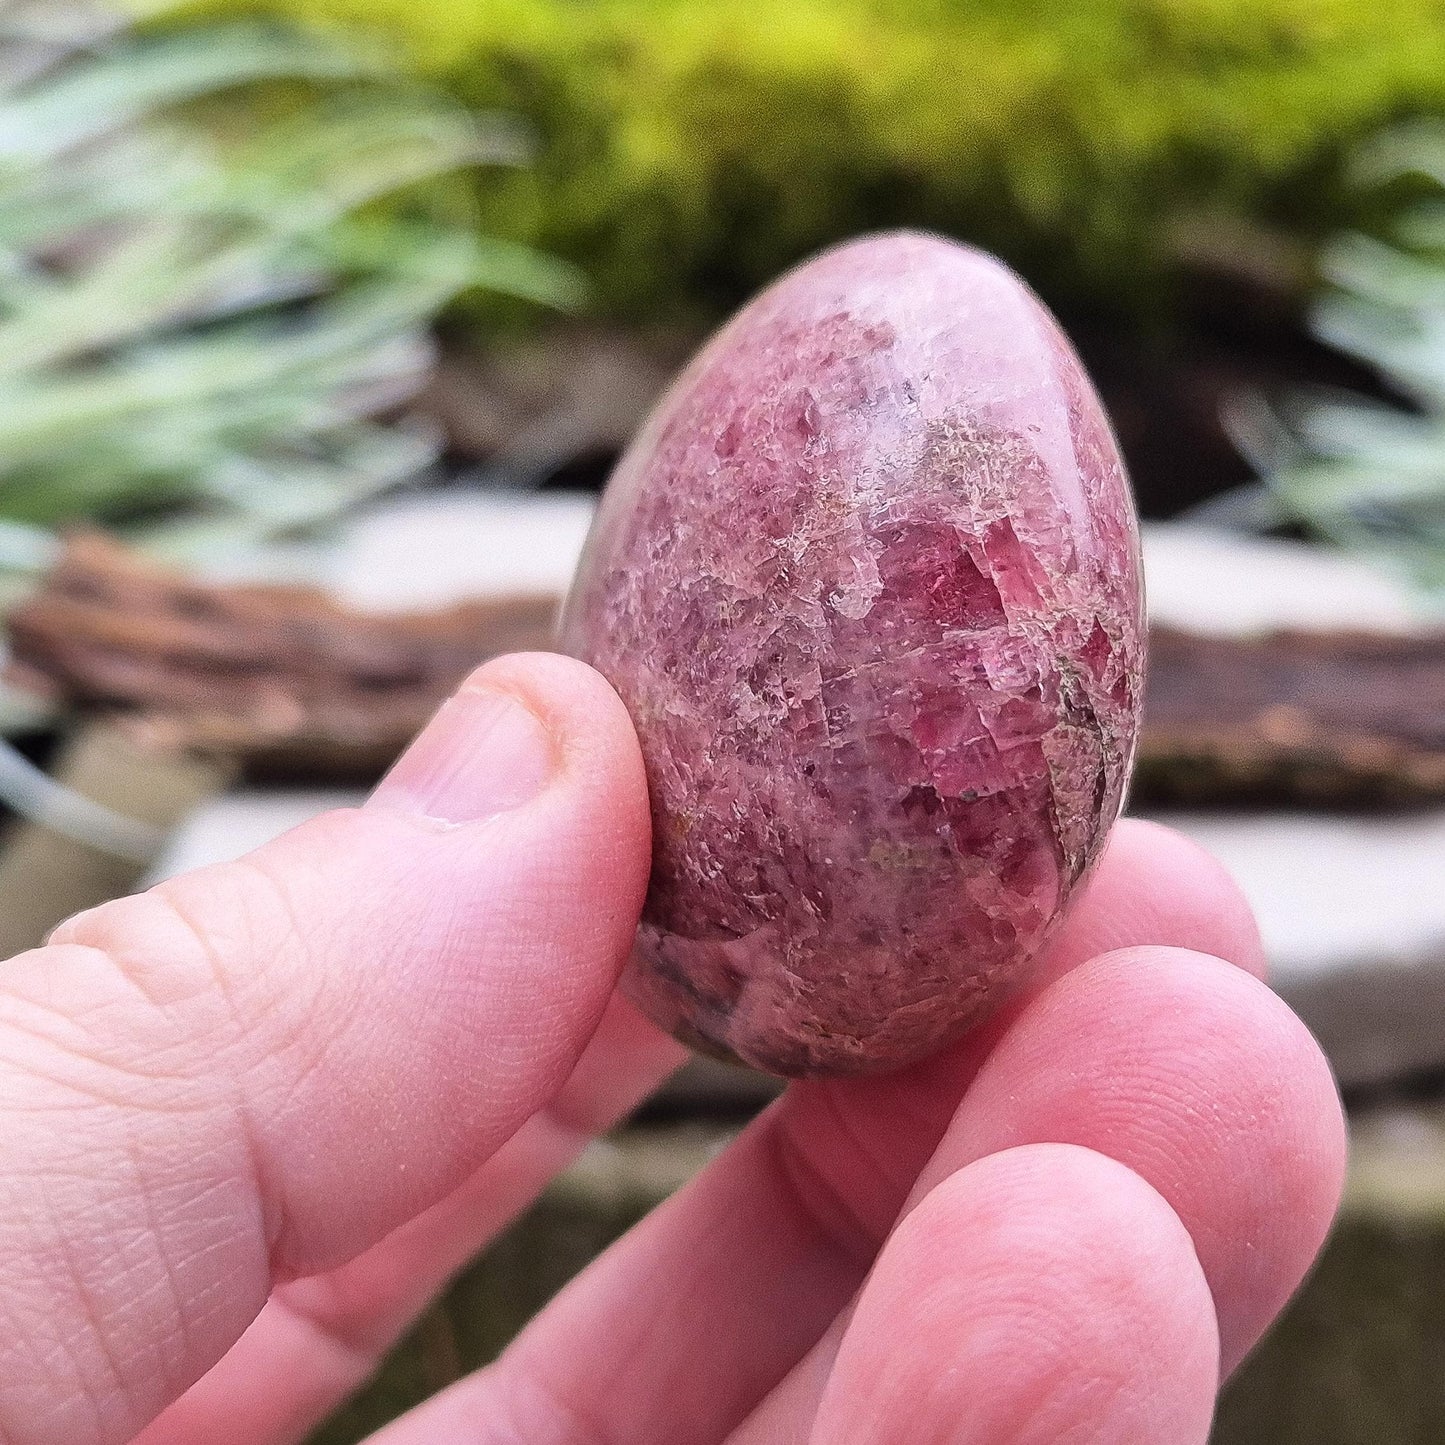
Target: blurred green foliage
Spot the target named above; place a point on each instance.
(1355, 470)
(689, 148)
(204, 335)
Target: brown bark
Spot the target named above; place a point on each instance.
(1336, 718)
(281, 677)
(287, 679)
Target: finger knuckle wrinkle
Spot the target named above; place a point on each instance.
(818, 1198)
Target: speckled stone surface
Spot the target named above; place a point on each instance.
(868, 582)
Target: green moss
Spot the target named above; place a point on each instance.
(691, 147)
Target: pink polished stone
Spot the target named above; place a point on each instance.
(868, 582)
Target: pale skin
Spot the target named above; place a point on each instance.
(253, 1120)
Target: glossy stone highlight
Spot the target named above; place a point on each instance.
(868, 582)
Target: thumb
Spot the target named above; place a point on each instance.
(259, 1069)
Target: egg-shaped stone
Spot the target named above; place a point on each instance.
(868, 582)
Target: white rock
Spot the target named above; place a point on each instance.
(1352, 912)
(1217, 582)
(440, 548)
(431, 550)
(234, 823)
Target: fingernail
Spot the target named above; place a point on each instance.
(483, 753)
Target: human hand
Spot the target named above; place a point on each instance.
(254, 1118)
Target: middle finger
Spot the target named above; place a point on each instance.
(702, 1308)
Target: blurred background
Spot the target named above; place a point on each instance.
(322, 322)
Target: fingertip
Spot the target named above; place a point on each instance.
(1213, 913)
(516, 727)
(1201, 1079)
(601, 786)
(1053, 1273)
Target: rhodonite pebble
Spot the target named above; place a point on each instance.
(868, 582)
